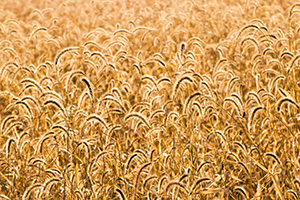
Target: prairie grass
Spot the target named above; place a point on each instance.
(149, 99)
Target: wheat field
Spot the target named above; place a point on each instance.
(124, 99)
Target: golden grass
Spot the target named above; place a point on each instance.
(149, 99)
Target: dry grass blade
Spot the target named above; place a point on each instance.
(242, 191)
(63, 52)
(287, 99)
(149, 100)
(113, 99)
(56, 104)
(29, 190)
(98, 118)
(4, 197)
(121, 194)
(274, 156)
(175, 183)
(252, 115)
(189, 100)
(293, 193)
(177, 84)
(138, 176)
(37, 30)
(197, 183)
(91, 93)
(139, 116)
(32, 81)
(234, 102)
